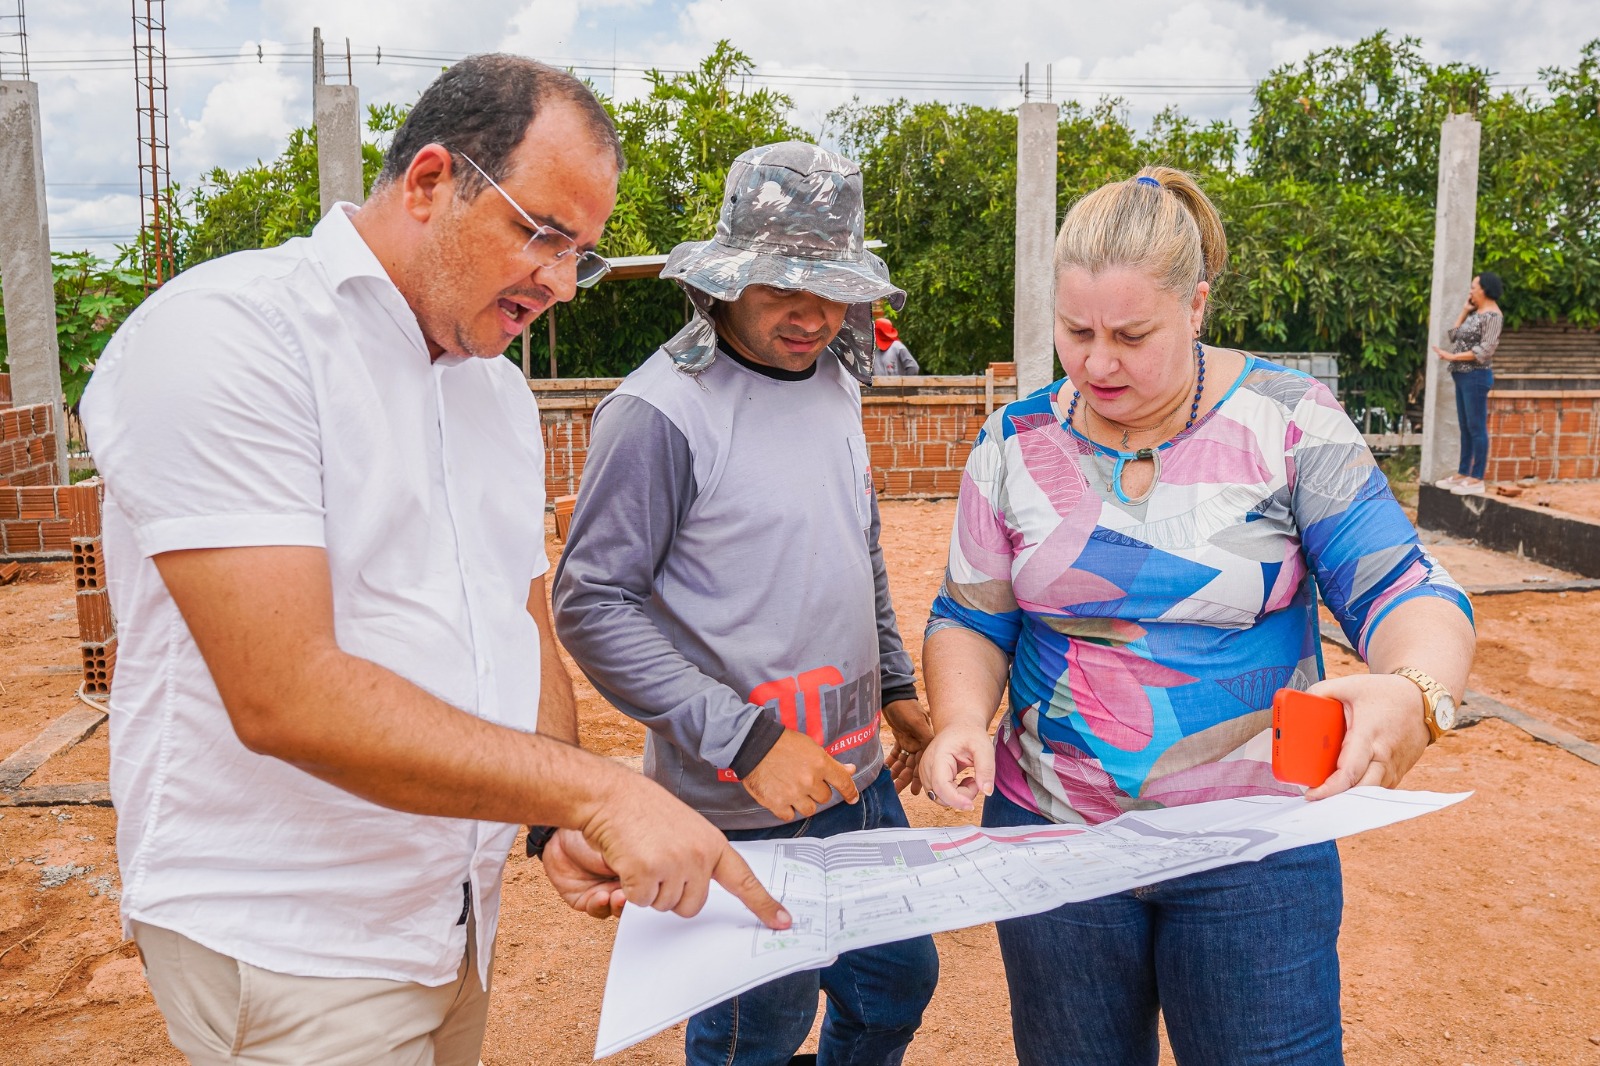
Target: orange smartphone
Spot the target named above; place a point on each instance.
(1307, 733)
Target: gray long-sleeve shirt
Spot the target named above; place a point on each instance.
(894, 361)
(723, 580)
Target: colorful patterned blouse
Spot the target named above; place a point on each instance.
(1147, 640)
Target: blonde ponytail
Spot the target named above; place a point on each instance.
(1158, 221)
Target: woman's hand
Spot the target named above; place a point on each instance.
(1385, 733)
(958, 765)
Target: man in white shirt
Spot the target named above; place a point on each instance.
(324, 527)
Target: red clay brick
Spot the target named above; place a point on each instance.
(37, 503)
(56, 534)
(564, 506)
(896, 482)
(10, 503)
(1573, 446)
(99, 664)
(23, 538)
(88, 564)
(94, 616)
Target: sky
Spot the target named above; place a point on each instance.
(239, 71)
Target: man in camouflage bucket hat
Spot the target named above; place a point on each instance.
(792, 219)
(723, 583)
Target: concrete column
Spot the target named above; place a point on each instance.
(29, 295)
(1454, 231)
(1033, 336)
(338, 119)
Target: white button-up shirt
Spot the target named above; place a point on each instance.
(286, 397)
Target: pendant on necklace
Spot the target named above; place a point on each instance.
(1152, 455)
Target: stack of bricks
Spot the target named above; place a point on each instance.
(1547, 434)
(97, 630)
(36, 522)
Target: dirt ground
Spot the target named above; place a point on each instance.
(1471, 936)
(1578, 498)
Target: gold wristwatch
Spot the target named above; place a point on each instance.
(1438, 706)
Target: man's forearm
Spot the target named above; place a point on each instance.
(558, 707)
(421, 755)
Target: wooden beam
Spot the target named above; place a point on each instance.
(83, 794)
(60, 735)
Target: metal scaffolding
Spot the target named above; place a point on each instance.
(14, 41)
(155, 175)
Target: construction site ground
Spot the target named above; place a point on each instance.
(1471, 936)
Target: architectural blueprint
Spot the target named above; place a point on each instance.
(862, 889)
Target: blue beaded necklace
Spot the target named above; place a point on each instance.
(1114, 484)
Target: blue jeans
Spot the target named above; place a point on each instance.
(1242, 962)
(1472, 416)
(875, 995)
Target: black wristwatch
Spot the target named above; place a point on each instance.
(539, 837)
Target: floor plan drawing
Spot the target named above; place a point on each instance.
(861, 889)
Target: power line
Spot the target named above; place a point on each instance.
(244, 55)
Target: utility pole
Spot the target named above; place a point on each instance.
(1455, 223)
(1033, 331)
(337, 117)
(29, 289)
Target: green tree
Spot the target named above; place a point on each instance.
(940, 188)
(263, 205)
(1367, 114)
(92, 299)
(679, 140)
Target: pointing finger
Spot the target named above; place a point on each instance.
(735, 875)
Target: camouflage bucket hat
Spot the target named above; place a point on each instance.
(792, 219)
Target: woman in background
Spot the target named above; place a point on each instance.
(1473, 341)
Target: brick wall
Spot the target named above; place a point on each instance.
(37, 521)
(918, 433)
(28, 445)
(1547, 434)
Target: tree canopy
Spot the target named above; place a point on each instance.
(1327, 195)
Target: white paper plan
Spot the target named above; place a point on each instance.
(861, 889)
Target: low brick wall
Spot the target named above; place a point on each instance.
(918, 430)
(1553, 435)
(28, 446)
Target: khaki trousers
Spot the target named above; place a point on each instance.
(221, 1012)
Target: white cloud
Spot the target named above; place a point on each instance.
(231, 114)
(247, 115)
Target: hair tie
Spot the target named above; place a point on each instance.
(1147, 180)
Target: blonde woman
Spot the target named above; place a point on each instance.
(1135, 559)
